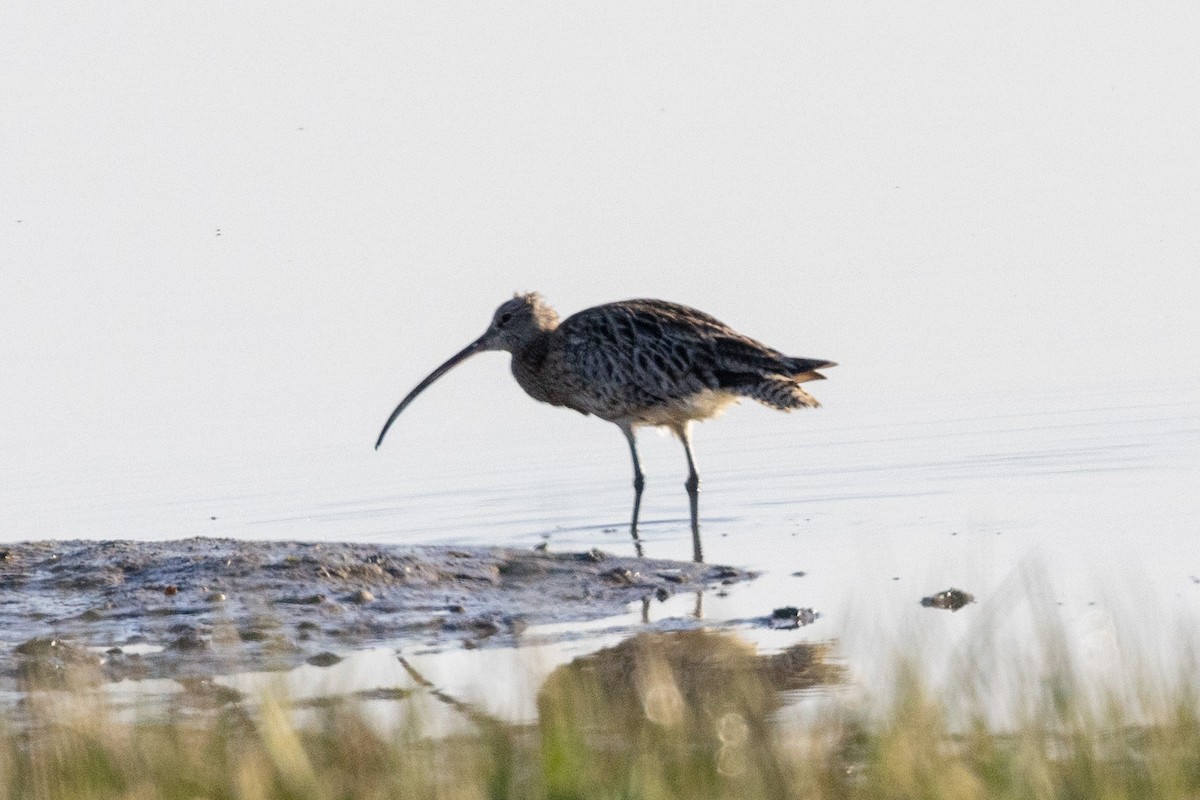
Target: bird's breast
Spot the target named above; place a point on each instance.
(539, 382)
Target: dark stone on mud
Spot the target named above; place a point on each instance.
(486, 625)
(306, 600)
(247, 594)
(951, 599)
(623, 576)
(662, 593)
(324, 659)
(723, 574)
(190, 641)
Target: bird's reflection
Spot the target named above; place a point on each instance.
(687, 700)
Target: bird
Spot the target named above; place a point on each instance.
(637, 363)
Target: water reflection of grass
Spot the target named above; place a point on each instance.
(688, 715)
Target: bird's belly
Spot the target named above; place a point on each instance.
(701, 405)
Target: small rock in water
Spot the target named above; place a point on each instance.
(662, 593)
(362, 596)
(790, 617)
(952, 599)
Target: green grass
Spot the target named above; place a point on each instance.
(685, 715)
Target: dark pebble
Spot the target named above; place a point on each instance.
(325, 659)
(951, 599)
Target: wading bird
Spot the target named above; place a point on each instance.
(634, 363)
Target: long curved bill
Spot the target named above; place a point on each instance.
(468, 351)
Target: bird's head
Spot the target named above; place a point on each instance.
(516, 323)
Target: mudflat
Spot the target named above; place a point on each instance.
(198, 607)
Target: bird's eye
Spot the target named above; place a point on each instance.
(504, 318)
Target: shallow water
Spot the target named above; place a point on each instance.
(1072, 509)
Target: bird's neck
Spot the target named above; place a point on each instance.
(532, 351)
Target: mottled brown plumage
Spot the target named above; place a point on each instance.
(638, 362)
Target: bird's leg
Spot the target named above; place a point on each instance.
(684, 431)
(639, 483)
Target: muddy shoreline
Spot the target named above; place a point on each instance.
(200, 607)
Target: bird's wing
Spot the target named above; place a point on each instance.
(731, 353)
(659, 351)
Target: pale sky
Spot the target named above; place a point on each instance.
(234, 222)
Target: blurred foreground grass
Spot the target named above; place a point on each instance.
(683, 715)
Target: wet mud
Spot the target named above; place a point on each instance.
(198, 607)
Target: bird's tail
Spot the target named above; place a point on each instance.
(797, 367)
(782, 391)
(772, 379)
